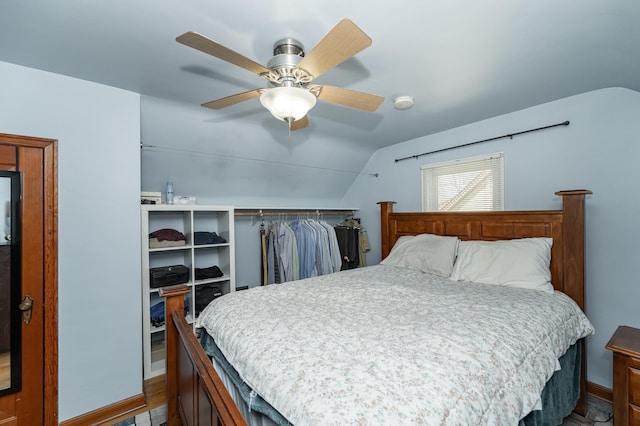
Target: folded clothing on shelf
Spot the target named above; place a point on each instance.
(157, 313)
(203, 237)
(208, 273)
(155, 243)
(166, 238)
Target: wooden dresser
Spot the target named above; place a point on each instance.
(625, 345)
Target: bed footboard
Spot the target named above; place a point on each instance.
(195, 392)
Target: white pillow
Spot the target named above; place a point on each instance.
(425, 252)
(513, 263)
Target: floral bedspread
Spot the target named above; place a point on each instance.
(387, 346)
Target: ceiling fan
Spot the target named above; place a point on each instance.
(291, 72)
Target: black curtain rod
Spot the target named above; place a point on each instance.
(510, 135)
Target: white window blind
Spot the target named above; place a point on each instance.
(469, 184)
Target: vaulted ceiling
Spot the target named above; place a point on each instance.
(462, 61)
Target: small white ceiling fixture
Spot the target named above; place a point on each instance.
(403, 102)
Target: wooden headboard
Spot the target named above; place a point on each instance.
(565, 226)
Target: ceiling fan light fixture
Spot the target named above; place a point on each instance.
(290, 72)
(288, 103)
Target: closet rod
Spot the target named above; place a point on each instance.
(300, 212)
(510, 135)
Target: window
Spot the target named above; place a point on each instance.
(468, 184)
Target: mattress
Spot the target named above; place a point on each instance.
(389, 345)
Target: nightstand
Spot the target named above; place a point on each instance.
(625, 345)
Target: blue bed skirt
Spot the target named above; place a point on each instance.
(561, 393)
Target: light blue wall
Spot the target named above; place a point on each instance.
(599, 151)
(99, 129)
(219, 158)
(99, 311)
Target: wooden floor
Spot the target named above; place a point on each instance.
(598, 413)
(155, 396)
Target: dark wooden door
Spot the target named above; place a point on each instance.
(36, 402)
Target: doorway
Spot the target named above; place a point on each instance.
(30, 396)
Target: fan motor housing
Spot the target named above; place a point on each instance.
(287, 52)
(289, 46)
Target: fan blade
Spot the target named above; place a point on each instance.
(350, 98)
(302, 123)
(206, 45)
(341, 43)
(233, 99)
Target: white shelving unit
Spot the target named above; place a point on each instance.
(187, 219)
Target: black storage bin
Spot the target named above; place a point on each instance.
(168, 275)
(205, 293)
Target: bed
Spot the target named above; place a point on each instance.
(423, 384)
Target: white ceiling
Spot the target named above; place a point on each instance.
(462, 60)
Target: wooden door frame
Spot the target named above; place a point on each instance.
(50, 239)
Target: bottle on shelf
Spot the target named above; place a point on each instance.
(169, 192)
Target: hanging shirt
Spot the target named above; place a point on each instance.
(306, 248)
(364, 246)
(271, 268)
(348, 242)
(334, 248)
(295, 262)
(285, 251)
(323, 255)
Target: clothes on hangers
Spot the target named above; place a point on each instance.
(300, 249)
(263, 251)
(306, 238)
(354, 243)
(348, 243)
